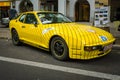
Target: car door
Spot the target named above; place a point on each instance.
(19, 24)
(30, 29)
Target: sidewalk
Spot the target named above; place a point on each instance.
(5, 34)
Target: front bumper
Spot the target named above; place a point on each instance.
(105, 48)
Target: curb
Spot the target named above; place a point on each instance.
(116, 45)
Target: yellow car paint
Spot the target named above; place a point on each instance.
(76, 36)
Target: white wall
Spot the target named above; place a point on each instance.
(62, 6)
(17, 3)
(72, 9)
(92, 9)
(36, 5)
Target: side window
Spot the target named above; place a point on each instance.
(22, 18)
(30, 19)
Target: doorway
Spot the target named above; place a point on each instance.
(82, 11)
(26, 5)
(49, 5)
(115, 10)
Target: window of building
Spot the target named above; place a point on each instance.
(49, 5)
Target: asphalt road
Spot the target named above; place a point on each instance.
(29, 63)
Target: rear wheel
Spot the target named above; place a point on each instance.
(15, 38)
(59, 48)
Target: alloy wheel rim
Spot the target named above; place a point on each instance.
(59, 48)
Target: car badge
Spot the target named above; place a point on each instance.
(47, 30)
(90, 30)
(104, 38)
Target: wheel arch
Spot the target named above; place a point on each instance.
(12, 29)
(65, 54)
(52, 38)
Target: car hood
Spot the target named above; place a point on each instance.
(85, 33)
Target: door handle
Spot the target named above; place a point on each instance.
(23, 26)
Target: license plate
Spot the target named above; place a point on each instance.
(108, 47)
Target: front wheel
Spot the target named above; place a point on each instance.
(59, 48)
(15, 38)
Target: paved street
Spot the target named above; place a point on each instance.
(29, 63)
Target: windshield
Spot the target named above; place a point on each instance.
(49, 18)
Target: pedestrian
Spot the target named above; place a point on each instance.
(12, 13)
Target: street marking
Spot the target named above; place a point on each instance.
(61, 68)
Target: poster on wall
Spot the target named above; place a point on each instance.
(101, 16)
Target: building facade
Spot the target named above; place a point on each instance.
(70, 8)
(77, 10)
(93, 11)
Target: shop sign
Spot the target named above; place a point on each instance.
(5, 3)
(101, 16)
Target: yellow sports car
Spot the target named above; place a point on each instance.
(65, 39)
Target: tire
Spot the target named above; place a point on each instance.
(15, 38)
(59, 49)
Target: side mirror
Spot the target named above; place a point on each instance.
(35, 23)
